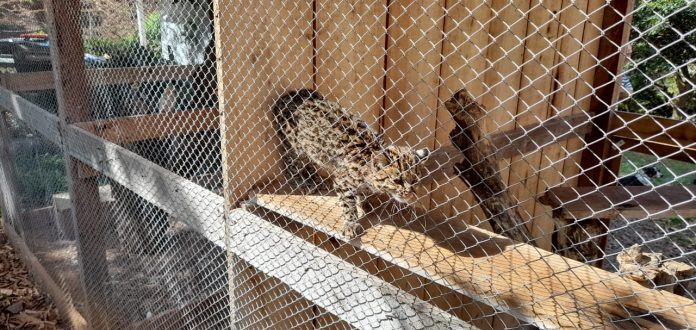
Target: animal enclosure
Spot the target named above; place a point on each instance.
(145, 181)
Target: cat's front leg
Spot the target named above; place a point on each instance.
(350, 204)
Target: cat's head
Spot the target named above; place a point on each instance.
(396, 170)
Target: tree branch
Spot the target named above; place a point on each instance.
(479, 171)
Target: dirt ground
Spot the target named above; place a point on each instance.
(22, 305)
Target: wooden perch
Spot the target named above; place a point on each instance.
(651, 271)
(654, 135)
(479, 171)
(533, 285)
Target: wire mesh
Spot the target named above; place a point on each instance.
(158, 164)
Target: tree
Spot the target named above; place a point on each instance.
(662, 69)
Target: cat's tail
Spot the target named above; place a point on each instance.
(286, 104)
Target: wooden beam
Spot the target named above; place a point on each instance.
(531, 284)
(599, 162)
(330, 282)
(662, 150)
(155, 126)
(27, 81)
(67, 60)
(629, 202)
(119, 163)
(198, 207)
(33, 81)
(60, 298)
(531, 138)
(658, 136)
(36, 118)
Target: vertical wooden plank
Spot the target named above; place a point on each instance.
(463, 54)
(583, 90)
(599, 161)
(491, 33)
(264, 48)
(561, 103)
(537, 82)
(67, 59)
(414, 48)
(350, 55)
(505, 53)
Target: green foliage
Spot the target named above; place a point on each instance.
(153, 32)
(673, 171)
(40, 175)
(663, 47)
(126, 51)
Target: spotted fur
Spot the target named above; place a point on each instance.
(318, 134)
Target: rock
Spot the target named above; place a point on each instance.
(15, 308)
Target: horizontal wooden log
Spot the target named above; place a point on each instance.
(38, 119)
(653, 135)
(531, 284)
(32, 81)
(517, 142)
(630, 202)
(155, 126)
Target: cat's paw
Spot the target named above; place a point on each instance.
(351, 230)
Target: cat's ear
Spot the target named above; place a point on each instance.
(422, 154)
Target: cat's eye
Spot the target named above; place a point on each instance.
(398, 181)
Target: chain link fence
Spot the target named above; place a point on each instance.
(480, 164)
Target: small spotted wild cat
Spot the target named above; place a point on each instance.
(320, 134)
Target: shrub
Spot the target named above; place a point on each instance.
(126, 51)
